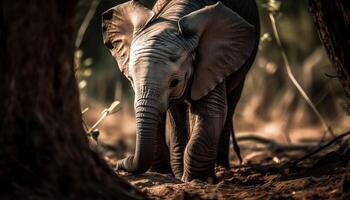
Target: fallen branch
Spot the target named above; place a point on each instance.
(337, 138)
(273, 145)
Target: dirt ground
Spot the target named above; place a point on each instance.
(263, 175)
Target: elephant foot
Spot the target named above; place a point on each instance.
(212, 179)
(177, 173)
(178, 176)
(186, 178)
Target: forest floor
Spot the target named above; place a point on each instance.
(260, 179)
(263, 174)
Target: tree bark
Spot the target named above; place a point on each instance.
(332, 20)
(44, 152)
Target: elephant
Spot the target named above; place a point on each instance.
(186, 61)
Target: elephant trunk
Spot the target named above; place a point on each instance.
(147, 112)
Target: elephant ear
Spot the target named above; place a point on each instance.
(159, 6)
(224, 43)
(119, 25)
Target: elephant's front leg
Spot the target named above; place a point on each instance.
(224, 142)
(207, 121)
(161, 159)
(177, 131)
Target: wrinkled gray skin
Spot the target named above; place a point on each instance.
(181, 75)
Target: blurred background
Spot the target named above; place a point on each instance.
(270, 105)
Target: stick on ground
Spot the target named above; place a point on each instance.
(337, 138)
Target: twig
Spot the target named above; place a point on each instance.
(86, 21)
(84, 111)
(292, 78)
(275, 146)
(331, 76)
(86, 127)
(256, 138)
(320, 148)
(104, 114)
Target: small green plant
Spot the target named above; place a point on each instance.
(82, 68)
(95, 133)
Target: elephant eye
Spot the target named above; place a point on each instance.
(174, 83)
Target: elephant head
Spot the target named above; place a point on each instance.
(168, 51)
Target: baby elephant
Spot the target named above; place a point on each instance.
(186, 61)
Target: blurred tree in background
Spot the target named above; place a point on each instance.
(332, 20)
(274, 97)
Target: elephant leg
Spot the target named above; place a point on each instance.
(161, 159)
(207, 121)
(224, 143)
(177, 131)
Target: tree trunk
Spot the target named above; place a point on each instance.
(332, 19)
(44, 152)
